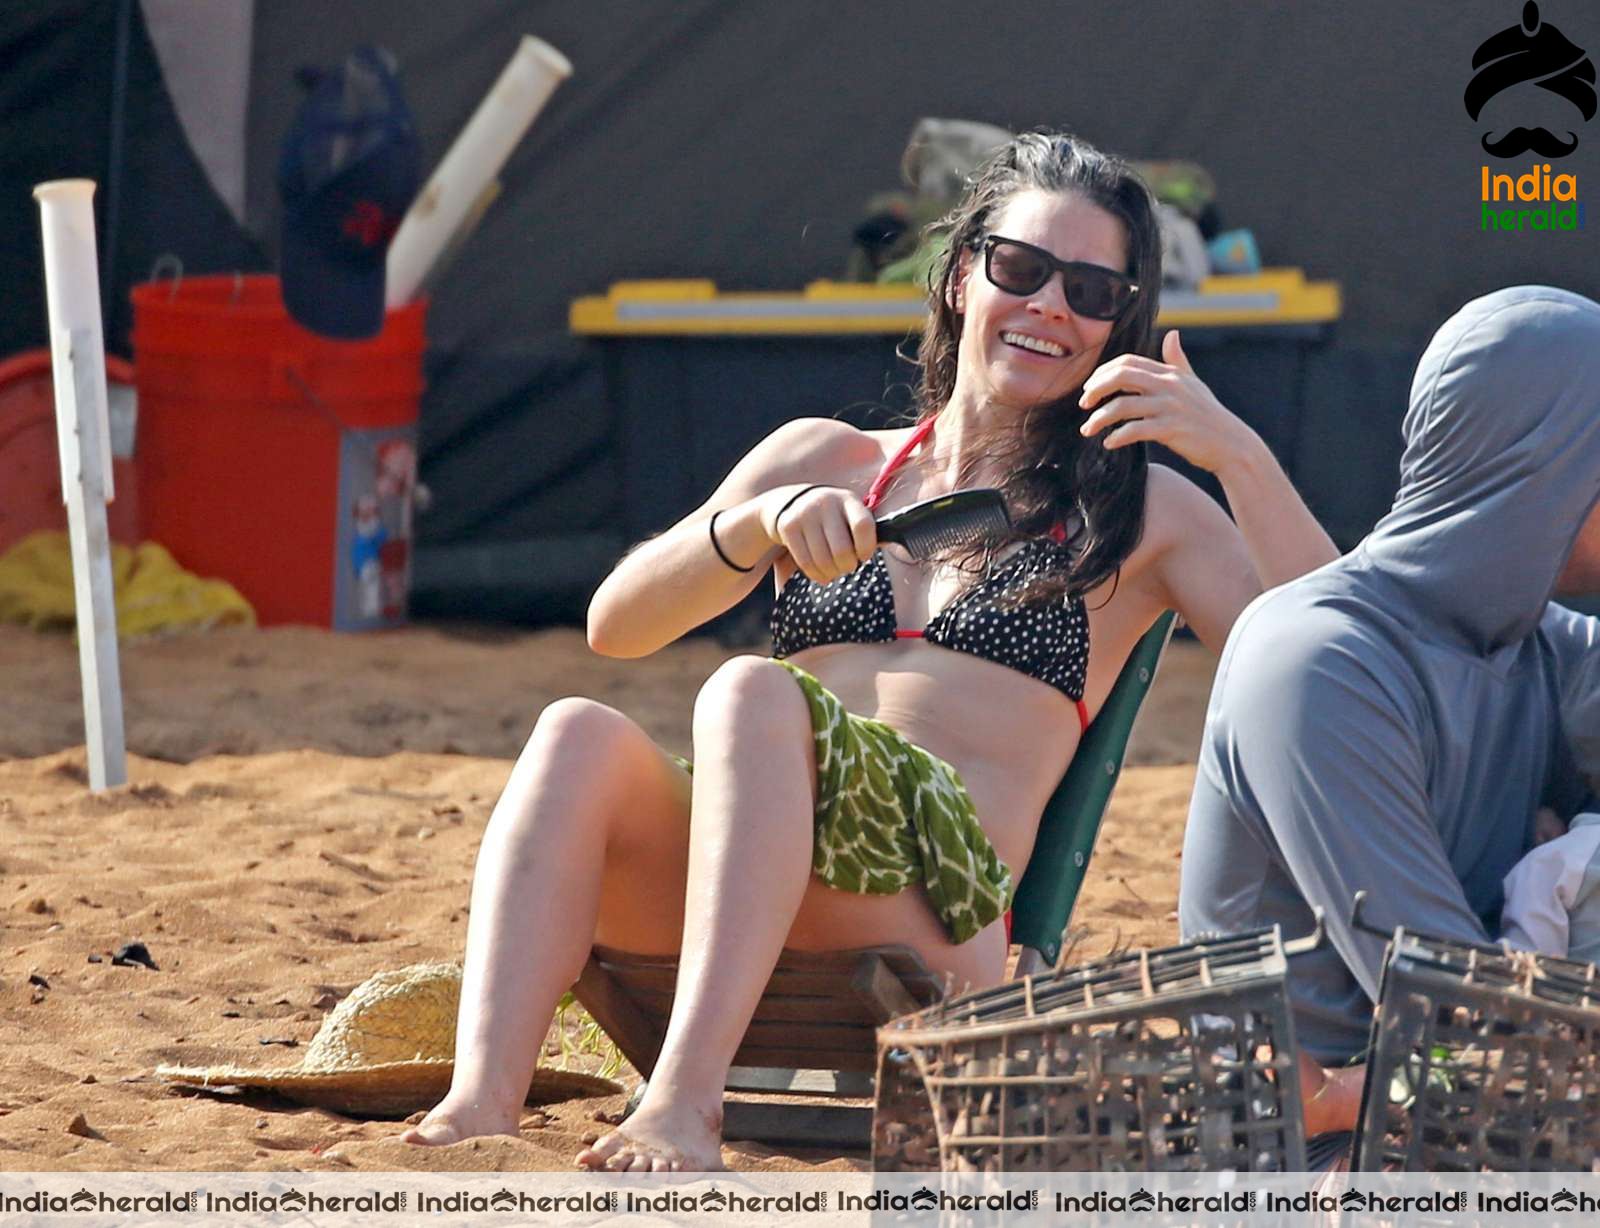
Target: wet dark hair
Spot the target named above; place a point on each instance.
(1055, 474)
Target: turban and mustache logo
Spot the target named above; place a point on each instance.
(1540, 53)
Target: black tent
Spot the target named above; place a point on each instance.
(738, 142)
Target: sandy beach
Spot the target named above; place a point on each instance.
(303, 810)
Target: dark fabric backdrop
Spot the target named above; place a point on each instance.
(57, 68)
(739, 140)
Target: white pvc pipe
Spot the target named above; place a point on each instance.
(72, 299)
(78, 361)
(444, 204)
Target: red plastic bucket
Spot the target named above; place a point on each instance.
(30, 465)
(275, 459)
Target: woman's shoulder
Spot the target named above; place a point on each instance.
(1171, 502)
(1176, 511)
(814, 448)
(1179, 517)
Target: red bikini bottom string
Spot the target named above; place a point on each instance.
(907, 635)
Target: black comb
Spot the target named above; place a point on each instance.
(941, 523)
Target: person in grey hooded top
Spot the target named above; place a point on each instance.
(1391, 721)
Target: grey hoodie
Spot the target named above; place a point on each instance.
(1392, 720)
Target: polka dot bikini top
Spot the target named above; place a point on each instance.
(1048, 641)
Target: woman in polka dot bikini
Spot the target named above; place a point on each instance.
(878, 778)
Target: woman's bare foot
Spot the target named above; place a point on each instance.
(449, 1123)
(1331, 1099)
(672, 1139)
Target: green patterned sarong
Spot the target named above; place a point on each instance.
(890, 814)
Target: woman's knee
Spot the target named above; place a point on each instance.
(750, 693)
(582, 759)
(576, 729)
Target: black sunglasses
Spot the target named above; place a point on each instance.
(1093, 291)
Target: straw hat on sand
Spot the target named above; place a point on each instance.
(385, 1051)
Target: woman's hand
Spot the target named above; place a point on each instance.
(1131, 399)
(1165, 403)
(827, 531)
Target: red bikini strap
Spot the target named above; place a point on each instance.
(1058, 532)
(880, 482)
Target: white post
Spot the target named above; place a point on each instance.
(447, 200)
(78, 356)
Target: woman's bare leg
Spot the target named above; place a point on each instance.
(590, 842)
(591, 831)
(749, 867)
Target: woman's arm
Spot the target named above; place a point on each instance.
(1197, 559)
(672, 583)
(1167, 403)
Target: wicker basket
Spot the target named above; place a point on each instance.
(1177, 1059)
(1483, 1059)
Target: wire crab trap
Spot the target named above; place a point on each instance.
(1170, 1060)
(1482, 1059)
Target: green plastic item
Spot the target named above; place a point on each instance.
(1050, 885)
(918, 267)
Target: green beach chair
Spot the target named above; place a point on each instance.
(1060, 859)
(814, 1033)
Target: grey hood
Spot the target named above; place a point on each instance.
(1501, 465)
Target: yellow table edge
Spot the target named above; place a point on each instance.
(1298, 302)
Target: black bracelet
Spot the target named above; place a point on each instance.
(790, 502)
(717, 546)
